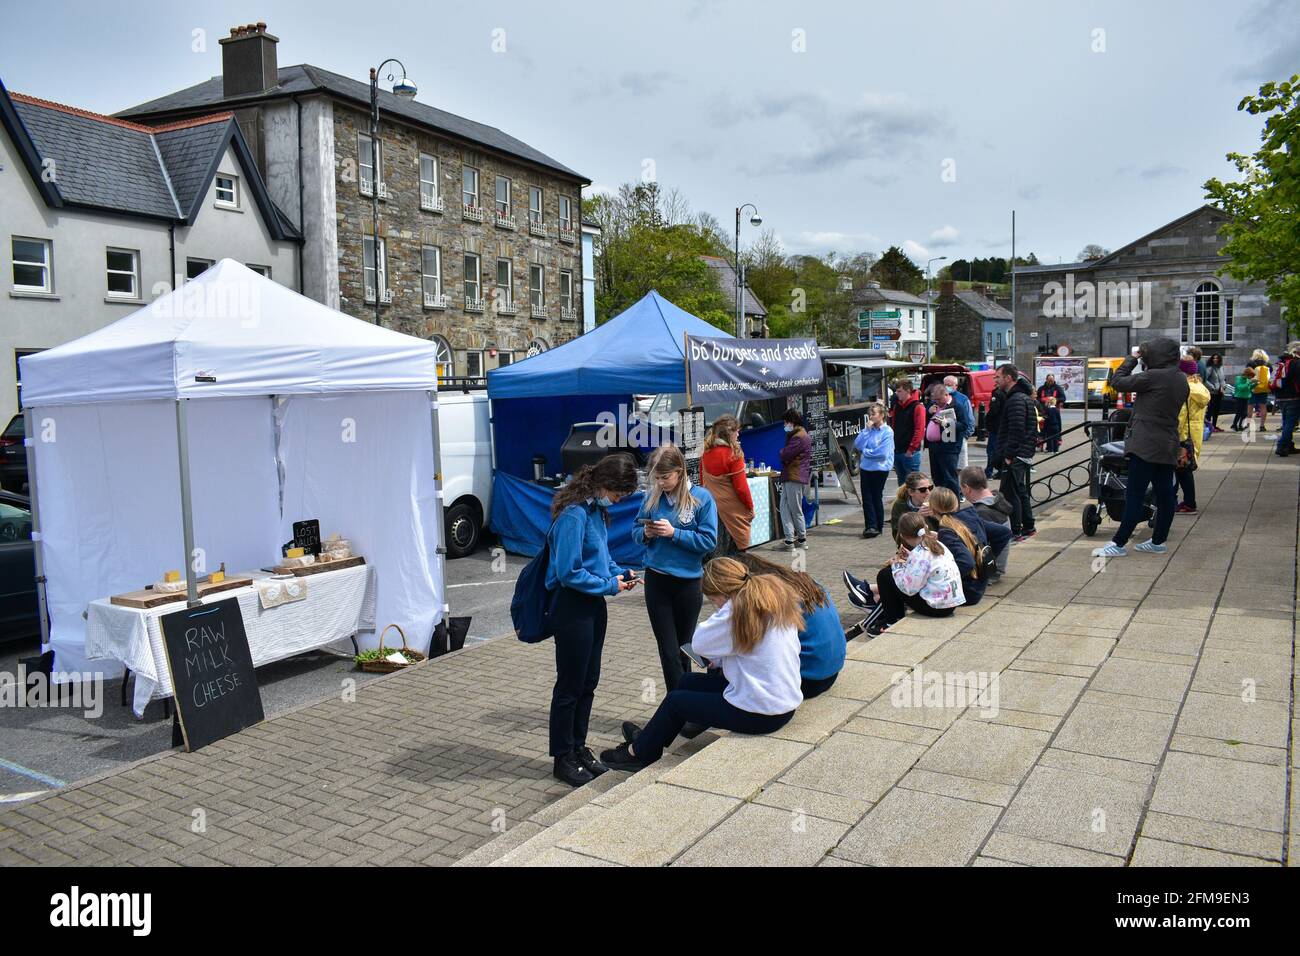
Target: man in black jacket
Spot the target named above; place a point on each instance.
(1017, 438)
(992, 419)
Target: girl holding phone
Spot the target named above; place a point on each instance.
(753, 688)
(678, 527)
(583, 572)
(922, 577)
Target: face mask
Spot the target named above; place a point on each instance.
(952, 389)
(789, 428)
(603, 502)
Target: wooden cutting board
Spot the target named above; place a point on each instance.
(317, 568)
(148, 597)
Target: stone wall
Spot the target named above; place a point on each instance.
(959, 331)
(406, 228)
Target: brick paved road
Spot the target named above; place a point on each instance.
(421, 764)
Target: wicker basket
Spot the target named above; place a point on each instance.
(382, 666)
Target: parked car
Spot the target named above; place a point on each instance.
(13, 455)
(466, 441)
(19, 617)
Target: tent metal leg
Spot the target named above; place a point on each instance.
(187, 510)
(38, 547)
(438, 485)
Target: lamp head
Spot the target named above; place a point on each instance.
(755, 220)
(404, 88)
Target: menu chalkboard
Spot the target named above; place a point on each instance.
(690, 439)
(814, 406)
(213, 682)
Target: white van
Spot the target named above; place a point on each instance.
(466, 434)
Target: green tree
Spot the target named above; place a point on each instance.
(1263, 241)
(650, 241)
(896, 271)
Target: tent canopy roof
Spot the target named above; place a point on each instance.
(250, 334)
(640, 350)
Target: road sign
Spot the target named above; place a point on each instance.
(866, 317)
(886, 323)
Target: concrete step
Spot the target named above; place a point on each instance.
(527, 840)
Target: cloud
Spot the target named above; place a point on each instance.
(599, 189)
(1264, 20)
(1161, 170)
(831, 134)
(915, 251)
(831, 240)
(646, 82)
(943, 236)
(1031, 192)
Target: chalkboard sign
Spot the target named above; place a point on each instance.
(814, 406)
(306, 535)
(213, 682)
(690, 439)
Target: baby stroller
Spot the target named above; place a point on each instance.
(1108, 473)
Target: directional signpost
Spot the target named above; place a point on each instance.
(881, 327)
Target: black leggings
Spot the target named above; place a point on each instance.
(580, 621)
(894, 603)
(674, 608)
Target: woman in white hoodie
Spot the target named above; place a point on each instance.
(923, 577)
(752, 684)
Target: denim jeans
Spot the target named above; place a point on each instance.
(905, 464)
(943, 467)
(1290, 416)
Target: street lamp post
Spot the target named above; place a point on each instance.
(407, 90)
(929, 305)
(754, 220)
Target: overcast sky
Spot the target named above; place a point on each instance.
(851, 125)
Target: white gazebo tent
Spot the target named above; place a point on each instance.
(205, 424)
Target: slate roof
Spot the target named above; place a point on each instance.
(725, 276)
(868, 296)
(304, 78)
(101, 162)
(983, 306)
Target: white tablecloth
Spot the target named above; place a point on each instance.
(339, 603)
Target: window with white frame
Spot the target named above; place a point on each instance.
(1229, 313)
(431, 273)
(366, 163)
(506, 282)
(1206, 313)
(911, 320)
(535, 297)
(473, 277)
(503, 197)
(505, 358)
(469, 185)
(566, 212)
(989, 335)
(227, 187)
(442, 355)
(473, 363)
(1000, 340)
(32, 270)
(535, 205)
(264, 271)
(428, 181)
(566, 289)
(196, 267)
(1184, 321)
(376, 275)
(122, 267)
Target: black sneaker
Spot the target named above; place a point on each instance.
(589, 761)
(569, 770)
(620, 759)
(859, 592)
(871, 533)
(630, 730)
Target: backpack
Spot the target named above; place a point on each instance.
(984, 562)
(1279, 383)
(533, 606)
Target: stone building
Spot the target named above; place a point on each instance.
(970, 325)
(1166, 283)
(480, 234)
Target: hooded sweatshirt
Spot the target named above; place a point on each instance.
(1161, 392)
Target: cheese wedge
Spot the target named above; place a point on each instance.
(296, 552)
(216, 577)
(171, 577)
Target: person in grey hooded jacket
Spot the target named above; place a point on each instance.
(1151, 442)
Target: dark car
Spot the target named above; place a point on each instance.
(19, 617)
(13, 456)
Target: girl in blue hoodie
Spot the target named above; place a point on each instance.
(583, 573)
(875, 445)
(678, 527)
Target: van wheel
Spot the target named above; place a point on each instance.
(464, 530)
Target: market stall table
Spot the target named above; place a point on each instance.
(338, 604)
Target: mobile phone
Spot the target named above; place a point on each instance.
(640, 520)
(689, 651)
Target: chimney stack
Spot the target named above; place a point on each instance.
(248, 63)
(946, 288)
(981, 289)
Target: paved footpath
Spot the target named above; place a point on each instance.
(1144, 716)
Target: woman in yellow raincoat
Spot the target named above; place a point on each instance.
(1191, 430)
